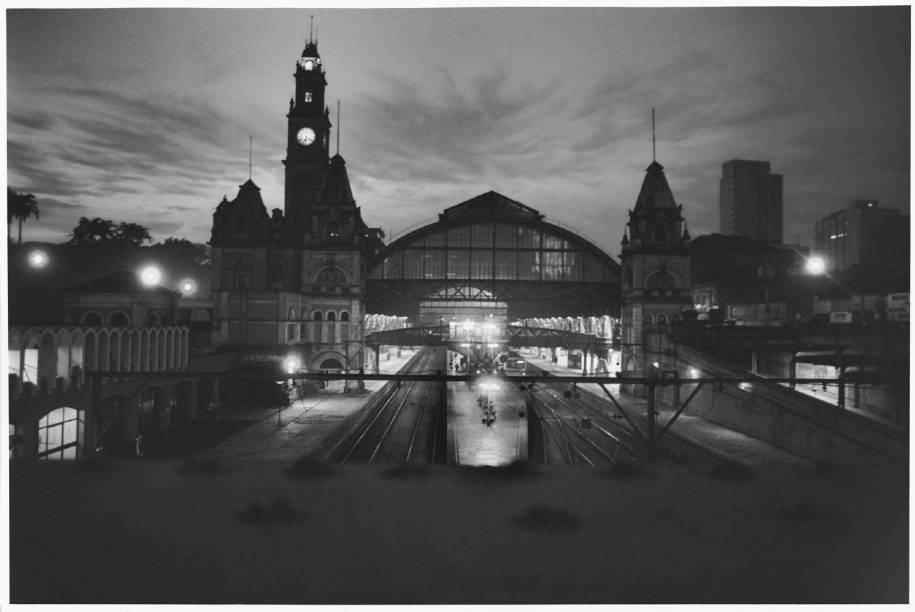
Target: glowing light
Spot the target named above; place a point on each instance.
(493, 345)
(656, 364)
(693, 373)
(745, 386)
(38, 258)
(292, 364)
(489, 386)
(188, 286)
(815, 265)
(465, 344)
(151, 275)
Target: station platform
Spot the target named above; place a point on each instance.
(300, 428)
(711, 438)
(471, 442)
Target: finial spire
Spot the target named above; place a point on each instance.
(250, 155)
(653, 154)
(338, 126)
(311, 30)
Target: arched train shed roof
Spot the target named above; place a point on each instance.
(493, 248)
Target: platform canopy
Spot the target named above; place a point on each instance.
(493, 249)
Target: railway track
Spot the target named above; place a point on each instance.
(573, 434)
(403, 423)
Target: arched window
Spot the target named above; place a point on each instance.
(344, 316)
(331, 315)
(660, 280)
(333, 229)
(662, 320)
(303, 314)
(152, 319)
(240, 275)
(275, 275)
(118, 319)
(92, 319)
(291, 313)
(318, 315)
(331, 275)
(647, 320)
(660, 234)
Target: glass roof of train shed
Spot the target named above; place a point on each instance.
(498, 249)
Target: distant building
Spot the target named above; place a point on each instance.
(865, 234)
(731, 270)
(750, 200)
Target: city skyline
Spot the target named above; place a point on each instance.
(550, 107)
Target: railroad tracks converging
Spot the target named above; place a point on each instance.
(403, 423)
(574, 434)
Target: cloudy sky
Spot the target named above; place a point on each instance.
(145, 115)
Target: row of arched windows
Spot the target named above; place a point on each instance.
(317, 315)
(599, 326)
(122, 319)
(58, 357)
(239, 275)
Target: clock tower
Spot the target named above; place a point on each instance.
(308, 136)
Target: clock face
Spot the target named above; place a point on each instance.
(309, 65)
(305, 136)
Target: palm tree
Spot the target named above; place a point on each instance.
(20, 206)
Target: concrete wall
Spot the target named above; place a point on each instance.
(788, 419)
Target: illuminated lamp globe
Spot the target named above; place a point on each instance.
(815, 265)
(188, 286)
(150, 276)
(292, 364)
(38, 259)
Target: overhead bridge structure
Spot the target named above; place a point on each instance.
(515, 336)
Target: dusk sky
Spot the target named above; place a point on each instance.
(144, 115)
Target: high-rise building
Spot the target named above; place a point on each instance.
(862, 233)
(750, 199)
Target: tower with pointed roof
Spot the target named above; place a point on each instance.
(655, 265)
(308, 135)
(292, 283)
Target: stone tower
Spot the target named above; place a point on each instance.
(291, 284)
(655, 265)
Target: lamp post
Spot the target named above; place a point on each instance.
(291, 364)
(150, 275)
(38, 259)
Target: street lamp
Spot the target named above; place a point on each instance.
(150, 275)
(188, 286)
(815, 265)
(38, 259)
(291, 364)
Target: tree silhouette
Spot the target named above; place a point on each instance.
(20, 206)
(93, 230)
(134, 233)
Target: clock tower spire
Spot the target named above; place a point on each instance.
(308, 134)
